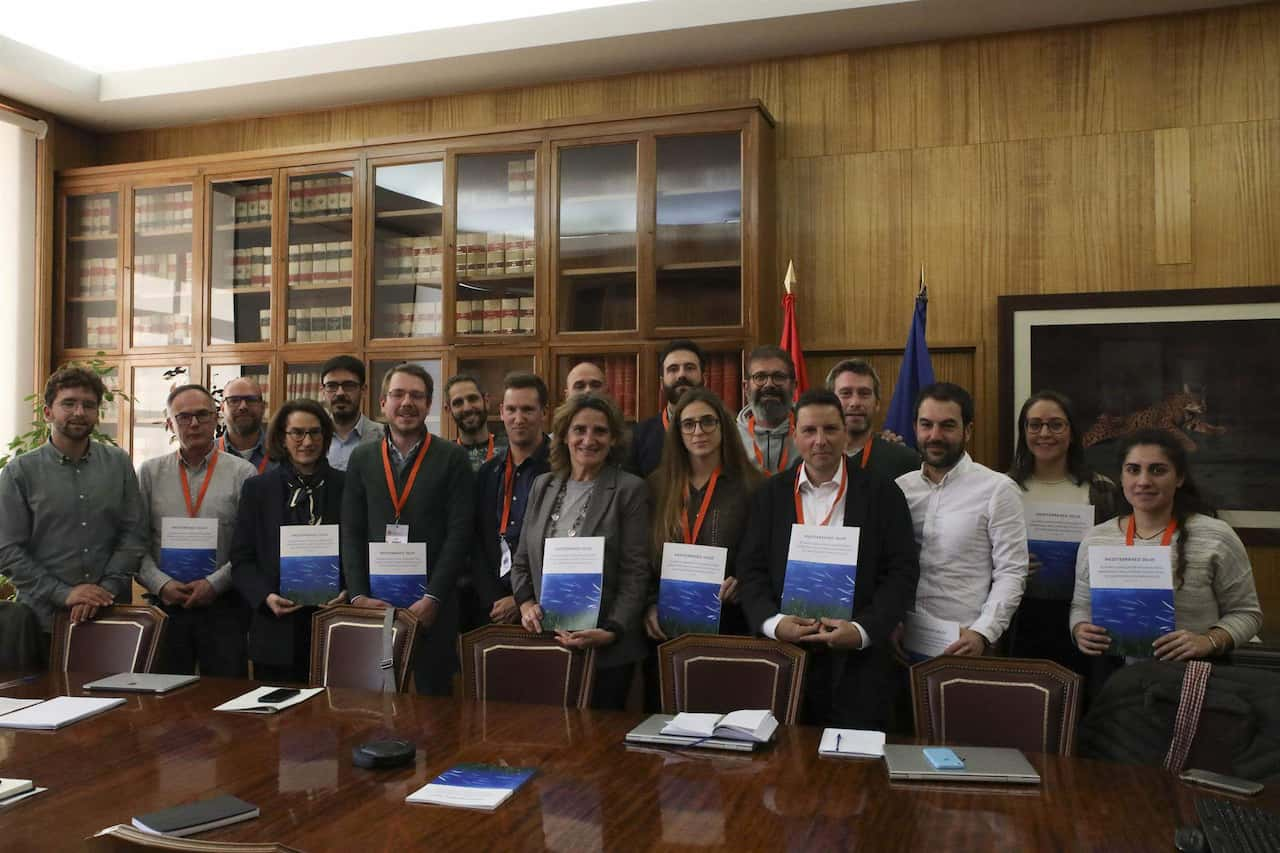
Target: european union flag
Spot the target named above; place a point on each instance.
(916, 373)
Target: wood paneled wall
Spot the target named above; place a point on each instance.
(1134, 155)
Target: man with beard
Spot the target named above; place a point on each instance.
(243, 409)
(412, 487)
(342, 381)
(208, 620)
(857, 385)
(682, 364)
(470, 409)
(766, 423)
(969, 525)
(71, 532)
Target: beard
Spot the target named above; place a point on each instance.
(673, 393)
(771, 406)
(950, 455)
(470, 420)
(246, 425)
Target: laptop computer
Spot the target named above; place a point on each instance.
(650, 732)
(981, 764)
(142, 682)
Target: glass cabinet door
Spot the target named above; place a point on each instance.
(221, 374)
(495, 251)
(699, 239)
(302, 381)
(597, 262)
(408, 250)
(724, 377)
(378, 369)
(319, 272)
(92, 228)
(151, 387)
(162, 266)
(109, 413)
(240, 261)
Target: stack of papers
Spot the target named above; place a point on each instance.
(472, 786)
(757, 726)
(7, 704)
(13, 790)
(56, 712)
(250, 703)
(851, 743)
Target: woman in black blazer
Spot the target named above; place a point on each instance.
(302, 489)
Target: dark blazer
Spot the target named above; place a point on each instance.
(486, 558)
(885, 587)
(647, 438)
(888, 458)
(255, 558)
(619, 511)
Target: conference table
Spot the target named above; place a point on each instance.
(591, 790)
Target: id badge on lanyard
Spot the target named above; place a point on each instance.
(397, 534)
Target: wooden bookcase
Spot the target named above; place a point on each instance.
(528, 247)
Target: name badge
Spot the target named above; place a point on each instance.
(504, 568)
(397, 534)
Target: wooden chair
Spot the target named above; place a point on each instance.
(122, 638)
(1032, 705)
(718, 674)
(506, 663)
(346, 647)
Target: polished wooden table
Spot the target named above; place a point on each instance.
(591, 791)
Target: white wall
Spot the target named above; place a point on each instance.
(17, 278)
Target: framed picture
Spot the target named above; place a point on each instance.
(1202, 364)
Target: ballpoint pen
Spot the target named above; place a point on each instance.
(837, 741)
(26, 679)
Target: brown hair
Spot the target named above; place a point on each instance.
(560, 464)
(73, 377)
(275, 447)
(413, 370)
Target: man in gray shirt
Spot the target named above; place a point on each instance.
(195, 492)
(342, 379)
(71, 531)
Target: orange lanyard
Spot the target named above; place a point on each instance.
(689, 538)
(1164, 540)
(488, 454)
(262, 466)
(866, 452)
(666, 419)
(844, 484)
(751, 428)
(194, 511)
(399, 500)
(508, 491)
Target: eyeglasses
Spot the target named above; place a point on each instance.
(709, 423)
(1057, 426)
(400, 394)
(71, 405)
(349, 386)
(298, 435)
(777, 378)
(247, 399)
(187, 418)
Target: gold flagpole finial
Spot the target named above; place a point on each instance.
(790, 279)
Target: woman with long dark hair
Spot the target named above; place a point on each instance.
(1214, 598)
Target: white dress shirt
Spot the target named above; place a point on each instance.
(973, 545)
(818, 501)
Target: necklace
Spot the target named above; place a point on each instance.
(558, 505)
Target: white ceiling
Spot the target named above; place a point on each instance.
(374, 64)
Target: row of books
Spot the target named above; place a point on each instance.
(252, 203)
(421, 319)
(320, 264)
(166, 267)
(250, 267)
(492, 316)
(308, 325)
(724, 376)
(302, 383)
(412, 259)
(162, 211)
(94, 217)
(522, 177)
(482, 253)
(95, 278)
(101, 331)
(620, 381)
(310, 197)
(160, 330)
(264, 328)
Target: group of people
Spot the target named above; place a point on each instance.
(939, 533)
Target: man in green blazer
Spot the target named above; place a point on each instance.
(412, 487)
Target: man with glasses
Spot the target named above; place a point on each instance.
(766, 423)
(243, 409)
(412, 487)
(207, 618)
(469, 407)
(857, 385)
(71, 531)
(682, 365)
(342, 379)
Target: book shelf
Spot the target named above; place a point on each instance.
(485, 252)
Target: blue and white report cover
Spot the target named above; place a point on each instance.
(310, 572)
(689, 592)
(1131, 595)
(1054, 533)
(398, 572)
(188, 548)
(572, 579)
(822, 565)
(472, 786)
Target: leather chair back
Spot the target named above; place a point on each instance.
(710, 673)
(506, 663)
(121, 638)
(1032, 705)
(346, 647)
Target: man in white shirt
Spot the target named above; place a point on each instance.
(851, 675)
(968, 522)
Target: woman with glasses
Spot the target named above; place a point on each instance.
(1050, 468)
(587, 494)
(302, 489)
(701, 491)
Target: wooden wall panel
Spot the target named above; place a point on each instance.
(1173, 196)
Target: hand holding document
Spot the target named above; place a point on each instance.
(188, 547)
(572, 572)
(310, 572)
(1131, 595)
(925, 637)
(822, 566)
(689, 592)
(398, 572)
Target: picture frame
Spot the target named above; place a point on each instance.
(1199, 363)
